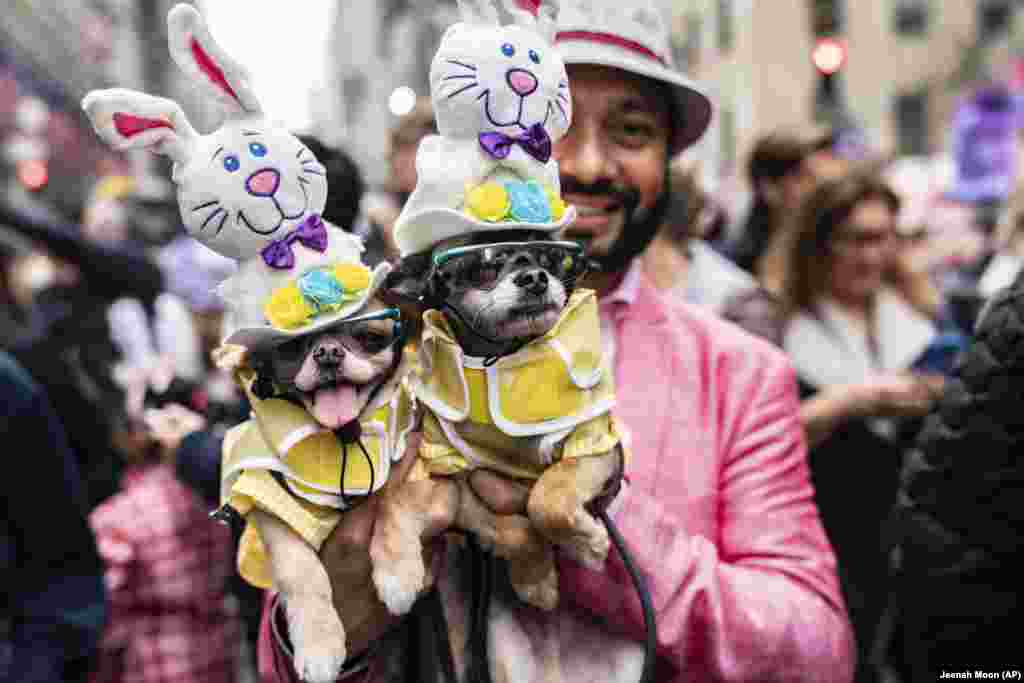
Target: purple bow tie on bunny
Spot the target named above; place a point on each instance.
(311, 233)
(535, 142)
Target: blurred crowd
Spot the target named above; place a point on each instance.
(109, 319)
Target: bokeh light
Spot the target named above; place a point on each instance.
(402, 100)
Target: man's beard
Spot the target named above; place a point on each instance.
(639, 226)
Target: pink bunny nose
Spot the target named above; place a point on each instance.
(522, 81)
(263, 183)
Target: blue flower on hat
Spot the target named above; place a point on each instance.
(321, 289)
(529, 201)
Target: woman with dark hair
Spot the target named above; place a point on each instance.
(864, 358)
(783, 168)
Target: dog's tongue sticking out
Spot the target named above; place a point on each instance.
(335, 405)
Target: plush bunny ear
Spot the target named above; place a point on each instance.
(127, 119)
(547, 19)
(479, 12)
(522, 17)
(199, 56)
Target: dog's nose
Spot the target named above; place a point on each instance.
(533, 281)
(521, 81)
(329, 353)
(263, 183)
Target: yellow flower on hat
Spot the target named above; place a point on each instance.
(488, 202)
(558, 206)
(354, 277)
(287, 308)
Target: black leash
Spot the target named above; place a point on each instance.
(650, 626)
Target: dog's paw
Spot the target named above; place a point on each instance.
(589, 549)
(542, 595)
(319, 639)
(399, 585)
(318, 664)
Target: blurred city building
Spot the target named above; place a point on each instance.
(51, 53)
(895, 69)
(380, 66)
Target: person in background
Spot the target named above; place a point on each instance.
(864, 359)
(958, 515)
(685, 267)
(167, 570)
(679, 262)
(345, 185)
(55, 604)
(783, 167)
(717, 506)
(69, 348)
(381, 208)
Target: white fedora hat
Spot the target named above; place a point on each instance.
(633, 35)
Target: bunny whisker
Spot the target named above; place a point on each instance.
(462, 90)
(462, 64)
(299, 153)
(304, 181)
(454, 77)
(211, 217)
(203, 206)
(222, 222)
(310, 170)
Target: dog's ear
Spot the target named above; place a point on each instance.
(263, 386)
(407, 285)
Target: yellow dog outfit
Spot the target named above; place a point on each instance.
(554, 392)
(283, 462)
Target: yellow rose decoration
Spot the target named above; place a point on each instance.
(488, 202)
(352, 276)
(287, 308)
(557, 204)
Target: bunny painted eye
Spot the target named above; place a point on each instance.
(257, 149)
(534, 57)
(231, 163)
(508, 49)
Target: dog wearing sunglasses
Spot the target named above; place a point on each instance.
(344, 379)
(512, 380)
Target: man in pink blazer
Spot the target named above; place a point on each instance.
(717, 507)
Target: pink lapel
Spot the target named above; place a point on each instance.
(644, 377)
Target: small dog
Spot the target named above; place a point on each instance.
(497, 299)
(336, 375)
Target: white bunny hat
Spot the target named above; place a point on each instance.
(249, 190)
(501, 97)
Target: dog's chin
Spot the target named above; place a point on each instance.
(335, 404)
(527, 321)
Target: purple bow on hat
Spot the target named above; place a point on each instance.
(534, 141)
(311, 233)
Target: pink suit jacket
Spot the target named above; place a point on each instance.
(719, 510)
(718, 513)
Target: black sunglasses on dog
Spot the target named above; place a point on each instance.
(372, 333)
(482, 265)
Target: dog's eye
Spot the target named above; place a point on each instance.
(488, 274)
